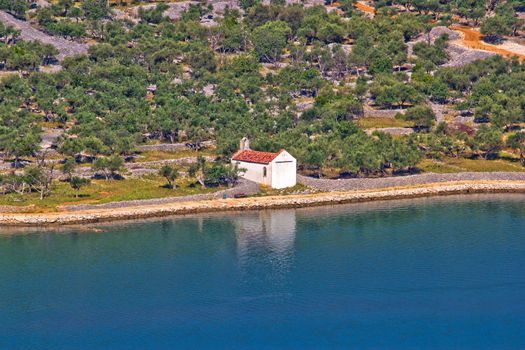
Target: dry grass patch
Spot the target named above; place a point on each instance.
(149, 156)
(101, 191)
(268, 191)
(454, 165)
(376, 122)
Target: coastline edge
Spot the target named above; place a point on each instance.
(258, 203)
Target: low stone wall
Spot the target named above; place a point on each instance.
(391, 131)
(138, 168)
(383, 113)
(171, 147)
(401, 181)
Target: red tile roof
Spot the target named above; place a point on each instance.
(255, 156)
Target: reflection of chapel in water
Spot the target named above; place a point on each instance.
(264, 230)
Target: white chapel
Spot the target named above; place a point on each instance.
(277, 170)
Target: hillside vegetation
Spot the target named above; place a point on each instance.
(308, 78)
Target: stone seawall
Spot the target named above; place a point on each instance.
(272, 202)
(329, 185)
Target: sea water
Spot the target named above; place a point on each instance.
(438, 273)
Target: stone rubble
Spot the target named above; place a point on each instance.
(65, 47)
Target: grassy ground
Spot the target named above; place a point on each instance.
(268, 191)
(148, 156)
(101, 191)
(454, 165)
(145, 156)
(374, 122)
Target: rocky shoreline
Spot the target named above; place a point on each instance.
(257, 203)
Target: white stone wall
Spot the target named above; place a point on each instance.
(255, 172)
(284, 171)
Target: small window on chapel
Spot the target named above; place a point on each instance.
(264, 172)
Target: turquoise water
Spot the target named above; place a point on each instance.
(445, 273)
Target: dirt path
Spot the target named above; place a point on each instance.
(65, 47)
(472, 39)
(365, 8)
